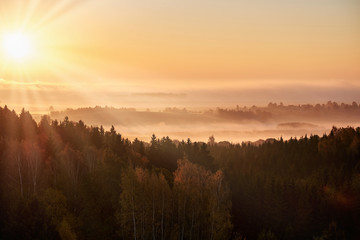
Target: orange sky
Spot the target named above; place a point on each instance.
(91, 48)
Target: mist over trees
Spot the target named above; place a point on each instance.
(61, 179)
(236, 124)
(278, 113)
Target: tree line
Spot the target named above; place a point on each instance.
(67, 180)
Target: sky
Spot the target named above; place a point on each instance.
(180, 53)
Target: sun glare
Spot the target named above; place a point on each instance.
(17, 46)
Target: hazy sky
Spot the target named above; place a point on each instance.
(155, 53)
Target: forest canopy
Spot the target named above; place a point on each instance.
(67, 180)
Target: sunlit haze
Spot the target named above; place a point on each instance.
(186, 54)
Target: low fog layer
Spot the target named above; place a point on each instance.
(37, 96)
(236, 125)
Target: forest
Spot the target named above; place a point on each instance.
(68, 180)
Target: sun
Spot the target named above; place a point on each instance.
(17, 46)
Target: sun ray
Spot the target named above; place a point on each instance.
(57, 11)
(65, 72)
(30, 16)
(31, 9)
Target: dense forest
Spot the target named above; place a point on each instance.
(67, 180)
